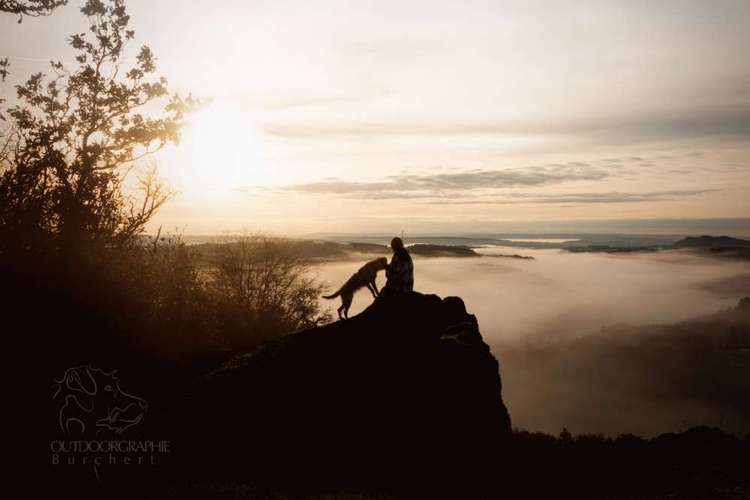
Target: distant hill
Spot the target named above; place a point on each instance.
(323, 251)
(429, 250)
(609, 249)
(711, 242)
(421, 249)
(721, 246)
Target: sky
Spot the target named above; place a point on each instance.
(437, 116)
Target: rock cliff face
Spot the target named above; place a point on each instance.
(405, 392)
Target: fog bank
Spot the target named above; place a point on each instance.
(560, 293)
(524, 304)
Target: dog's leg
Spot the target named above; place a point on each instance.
(339, 311)
(375, 286)
(372, 291)
(346, 303)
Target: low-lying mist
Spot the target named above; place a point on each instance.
(540, 316)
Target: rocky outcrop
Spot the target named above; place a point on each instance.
(406, 392)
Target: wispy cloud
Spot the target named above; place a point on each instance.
(466, 186)
(715, 120)
(580, 198)
(414, 185)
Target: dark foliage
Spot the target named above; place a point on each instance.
(73, 138)
(31, 8)
(158, 305)
(700, 463)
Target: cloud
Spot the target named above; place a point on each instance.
(482, 186)
(729, 121)
(463, 188)
(425, 185)
(581, 198)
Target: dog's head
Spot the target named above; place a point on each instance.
(92, 400)
(381, 263)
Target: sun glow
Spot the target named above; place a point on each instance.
(220, 151)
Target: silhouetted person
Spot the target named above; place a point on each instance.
(400, 272)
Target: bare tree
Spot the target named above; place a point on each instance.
(74, 137)
(265, 287)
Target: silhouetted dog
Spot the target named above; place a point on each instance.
(365, 277)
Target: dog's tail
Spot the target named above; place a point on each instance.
(333, 295)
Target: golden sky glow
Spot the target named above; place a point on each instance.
(441, 116)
